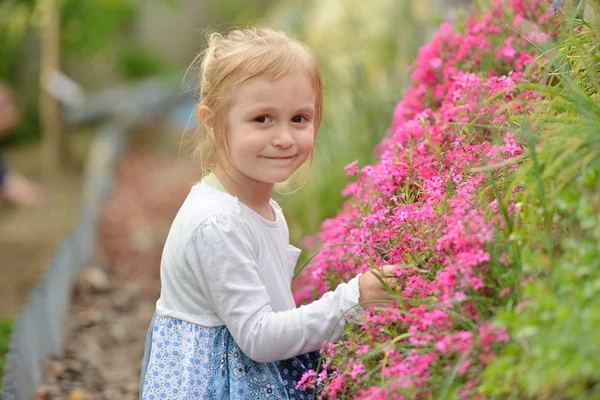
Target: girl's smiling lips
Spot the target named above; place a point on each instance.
(280, 158)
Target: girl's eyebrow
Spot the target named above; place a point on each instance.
(306, 110)
(260, 108)
(270, 109)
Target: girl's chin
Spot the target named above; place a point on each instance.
(274, 178)
(269, 179)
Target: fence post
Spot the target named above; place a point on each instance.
(53, 137)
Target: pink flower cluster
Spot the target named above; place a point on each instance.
(422, 207)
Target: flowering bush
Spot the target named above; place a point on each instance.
(429, 206)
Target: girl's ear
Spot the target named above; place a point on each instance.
(206, 116)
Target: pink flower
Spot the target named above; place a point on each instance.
(352, 169)
(357, 369)
(362, 349)
(435, 63)
(307, 380)
(507, 51)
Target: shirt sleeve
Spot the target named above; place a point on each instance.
(223, 261)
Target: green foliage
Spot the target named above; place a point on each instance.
(237, 11)
(137, 62)
(6, 327)
(28, 130)
(90, 26)
(556, 325)
(87, 28)
(85, 34)
(15, 22)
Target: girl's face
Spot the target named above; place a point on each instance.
(271, 130)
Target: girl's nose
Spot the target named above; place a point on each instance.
(284, 138)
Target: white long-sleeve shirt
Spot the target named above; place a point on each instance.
(224, 264)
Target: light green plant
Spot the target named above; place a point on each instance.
(556, 324)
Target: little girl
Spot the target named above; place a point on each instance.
(226, 326)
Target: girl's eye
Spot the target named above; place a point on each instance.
(263, 119)
(300, 119)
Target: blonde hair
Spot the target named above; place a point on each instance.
(233, 59)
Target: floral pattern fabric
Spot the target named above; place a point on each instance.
(188, 361)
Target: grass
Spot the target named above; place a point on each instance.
(6, 327)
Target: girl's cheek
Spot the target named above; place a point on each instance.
(308, 140)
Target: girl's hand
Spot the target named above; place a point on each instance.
(371, 285)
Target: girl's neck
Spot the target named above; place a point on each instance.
(253, 193)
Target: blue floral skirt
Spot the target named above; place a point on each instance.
(187, 361)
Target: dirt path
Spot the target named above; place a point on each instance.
(115, 297)
(103, 342)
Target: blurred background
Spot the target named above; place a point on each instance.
(69, 69)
